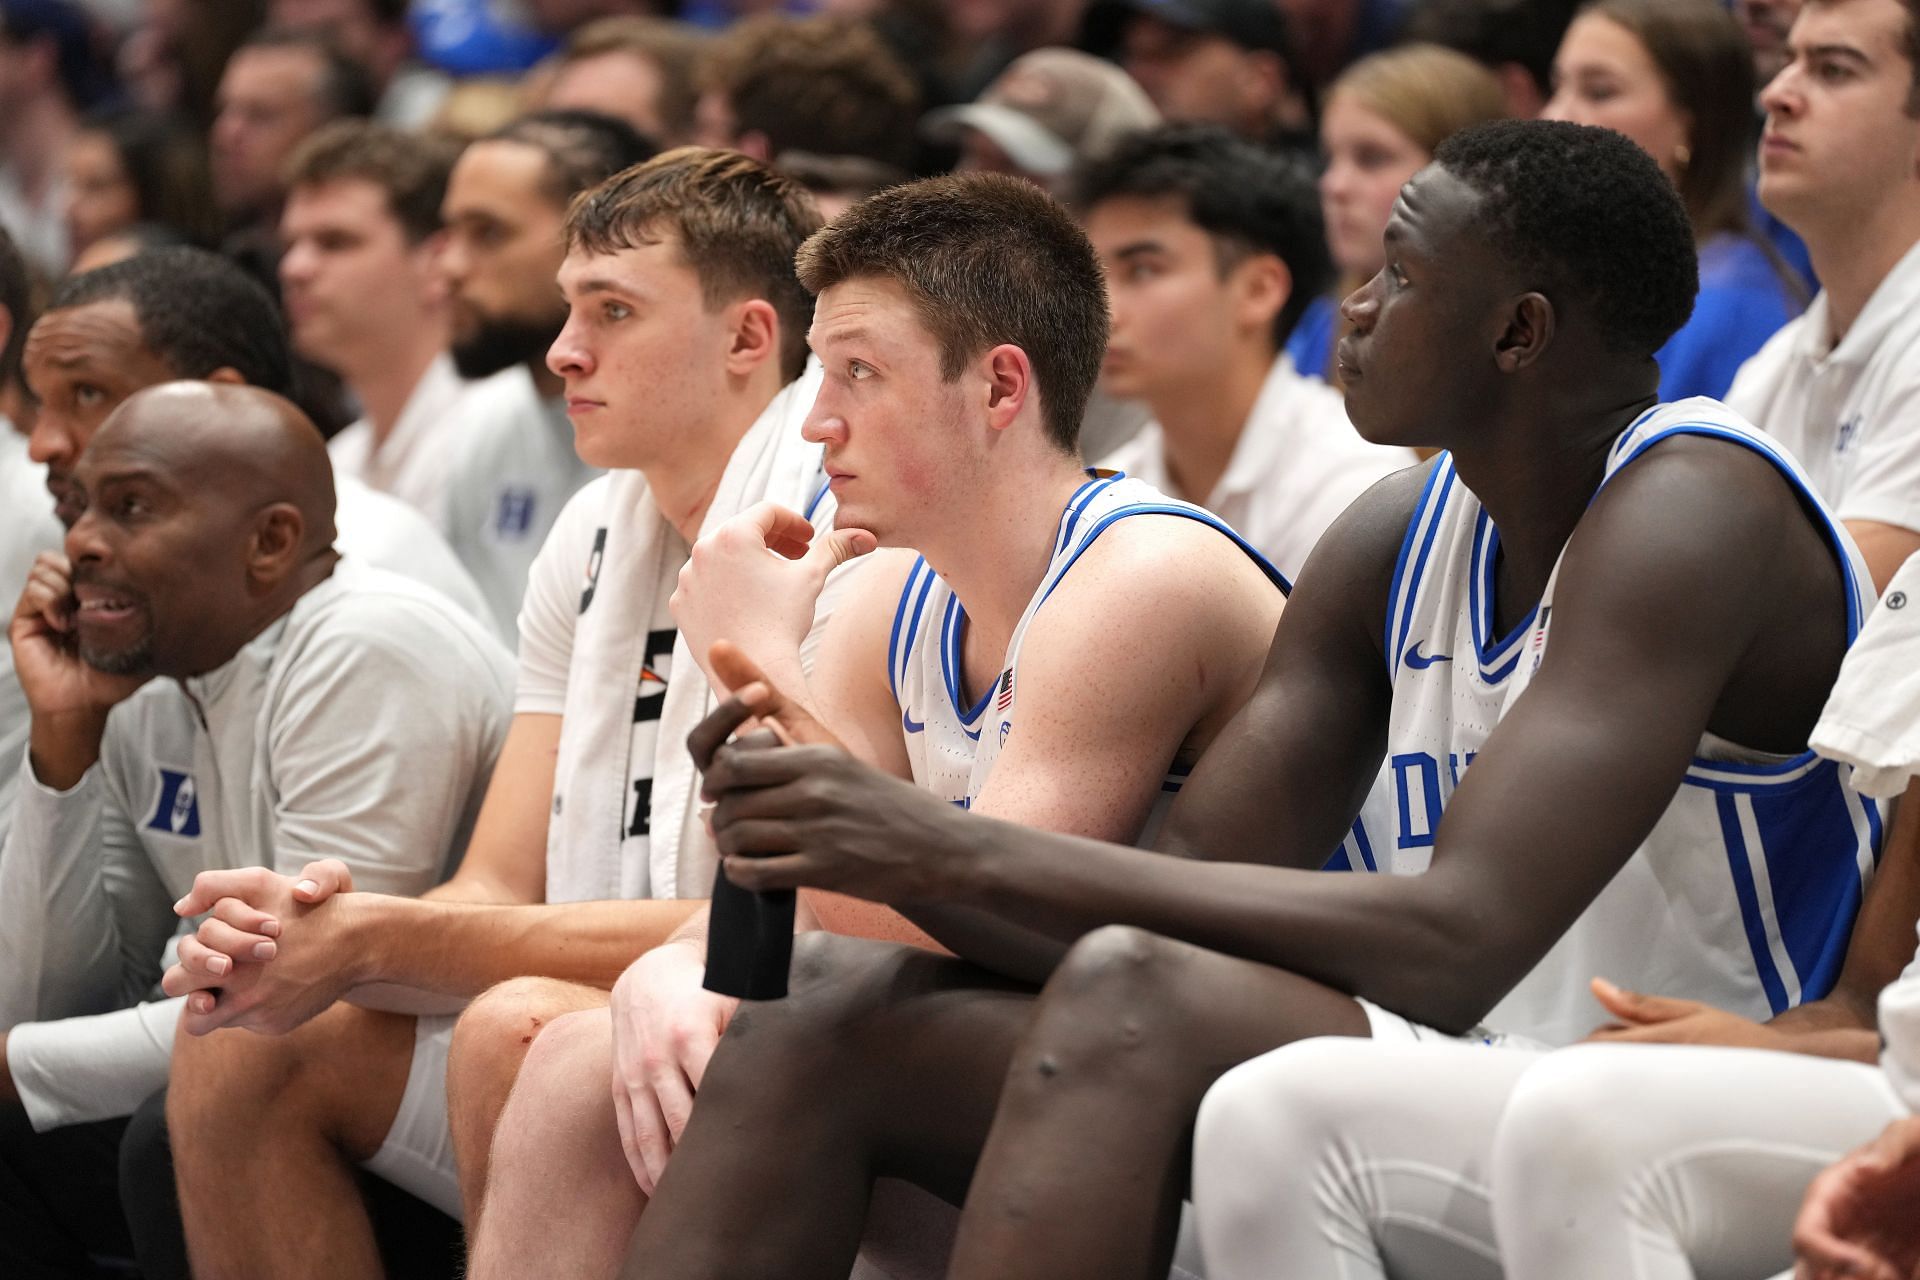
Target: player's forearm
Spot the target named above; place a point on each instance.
(461, 949)
(1840, 1026)
(1412, 943)
(995, 944)
(63, 747)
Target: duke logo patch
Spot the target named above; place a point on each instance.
(177, 811)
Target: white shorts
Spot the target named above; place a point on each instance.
(417, 1156)
(1389, 1027)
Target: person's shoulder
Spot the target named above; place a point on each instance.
(363, 612)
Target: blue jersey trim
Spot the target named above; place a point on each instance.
(1498, 658)
(813, 506)
(1199, 514)
(953, 629)
(1082, 498)
(1396, 591)
(1410, 586)
(1361, 843)
(1743, 891)
(898, 654)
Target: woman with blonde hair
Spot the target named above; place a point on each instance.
(1382, 120)
(1677, 77)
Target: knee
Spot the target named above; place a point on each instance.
(1278, 1112)
(227, 1074)
(1112, 984)
(499, 1028)
(565, 1085)
(1576, 1119)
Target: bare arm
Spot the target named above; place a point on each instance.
(1663, 589)
(1885, 547)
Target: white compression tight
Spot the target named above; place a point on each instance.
(1357, 1160)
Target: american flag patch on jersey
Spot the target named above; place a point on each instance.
(1005, 697)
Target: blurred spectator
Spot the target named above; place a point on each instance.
(1227, 62)
(641, 70)
(1516, 39)
(1211, 246)
(1381, 123)
(362, 222)
(826, 86)
(27, 526)
(374, 33)
(1330, 35)
(477, 37)
(173, 61)
(481, 105)
(1050, 112)
(1766, 23)
(48, 76)
(516, 467)
(1676, 76)
(558, 17)
(986, 35)
(125, 167)
(279, 87)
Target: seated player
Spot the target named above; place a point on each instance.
(682, 358)
(1212, 248)
(210, 685)
(1568, 638)
(960, 324)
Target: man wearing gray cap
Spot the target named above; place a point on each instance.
(1049, 111)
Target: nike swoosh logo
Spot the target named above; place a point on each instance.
(908, 723)
(1419, 661)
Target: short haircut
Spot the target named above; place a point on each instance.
(825, 85)
(673, 47)
(345, 88)
(1909, 46)
(1526, 33)
(987, 259)
(738, 224)
(1249, 199)
(409, 168)
(197, 312)
(16, 297)
(1586, 215)
(584, 148)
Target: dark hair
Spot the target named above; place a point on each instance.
(1526, 33)
(197, 312)
(166, 162)
(79, 62)
(738, 224)
(826, 85)
(346, 87)
(584, 148)
(1248, 198)
(409, 168)
(16, 298)
(1586, 215)
(987, 259)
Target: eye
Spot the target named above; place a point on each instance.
(1138, 272)
(88, 396)
(615, 311)
(130, 506)
(859, 370)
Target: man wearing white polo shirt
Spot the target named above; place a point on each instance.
(1840, 164)
(1212, 248)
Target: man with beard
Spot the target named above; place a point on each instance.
(210, 685)
(506, 202)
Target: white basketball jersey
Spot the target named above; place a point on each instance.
(951, 745)
(1744, 893)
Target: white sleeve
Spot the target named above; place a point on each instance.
(83, 914)
(564, 569)
(79, 1070)
(381, 735)
(1884, 485)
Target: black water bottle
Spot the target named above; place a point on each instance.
(749, 940)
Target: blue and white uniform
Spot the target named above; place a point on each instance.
(1744, 893)
(951, 745)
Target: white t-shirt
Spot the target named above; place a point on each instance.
(377, 529)
(516, 470)
(27, 528)
(362, 725)
(566, 570)
(1848, 412)
(1296, 467)
(413, 462)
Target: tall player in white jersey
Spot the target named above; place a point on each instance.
(960, 326)
(1688, 592)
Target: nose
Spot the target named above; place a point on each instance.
(1781, 96)
(84, 541)
(823, 426)
(50, 443)
(1560, 107)
(1362, 307)
(1335, 180)
(569, 356)
(452, 261)
(296, 265)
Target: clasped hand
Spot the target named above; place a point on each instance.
(265, 957)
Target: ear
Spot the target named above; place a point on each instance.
(279, 531)
(6, 327)
(226, 375)
(1528, 333)
(1262, 284)
(756, 336)
(1267, 75)
(1521, 90)
(1010, 386)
